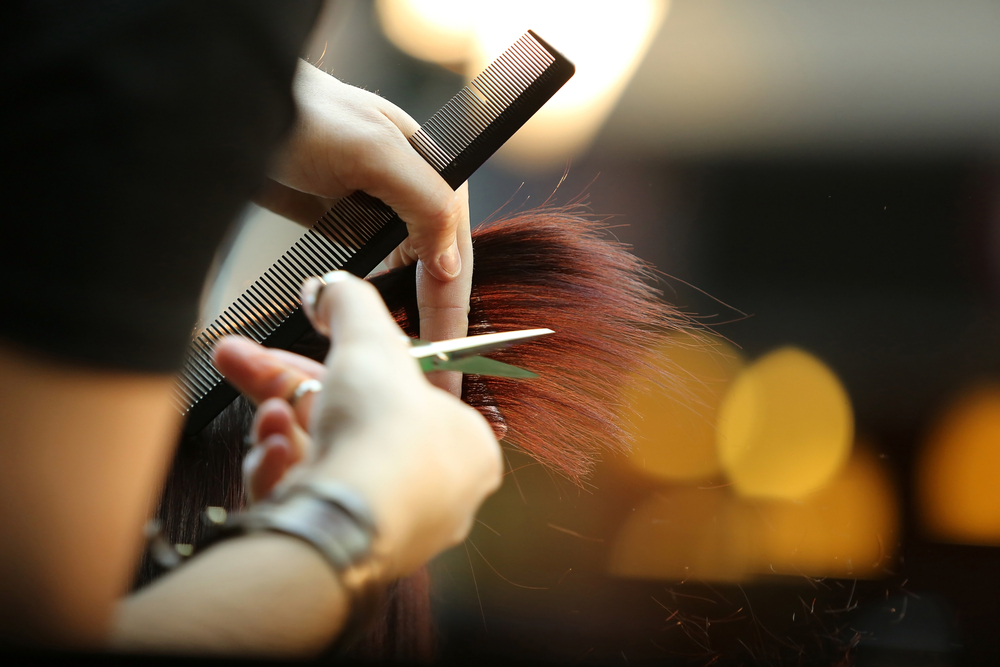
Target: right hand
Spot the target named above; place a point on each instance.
(422, 459)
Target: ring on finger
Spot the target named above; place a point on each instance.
(319, 291)
(324, 280)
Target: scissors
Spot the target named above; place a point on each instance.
(462, 354)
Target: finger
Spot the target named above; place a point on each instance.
(310, 367)
(404, 121)
(431, 210)
(424, 240)
(351, 312)
(301, 207)
(279, 445)
(276, 417)
(444, 305)
(403, 255)
(261, 374)
(264, 467)
(347, 139)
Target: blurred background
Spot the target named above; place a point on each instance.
(821, 183)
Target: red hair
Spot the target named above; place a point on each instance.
(556, 268)
(548, 267)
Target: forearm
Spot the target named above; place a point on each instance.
(262, 594)
(80, 452)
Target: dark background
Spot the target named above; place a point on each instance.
(873, 245)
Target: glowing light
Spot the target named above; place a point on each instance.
(605, 40)
(441, 31)
(680, 533)
(674, 427)
(848, 528)
(785, 426)
(958, 482)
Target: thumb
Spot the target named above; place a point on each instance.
(351, 312)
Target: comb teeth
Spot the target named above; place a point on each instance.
(468, 114)
(274, 297)
(359, 231)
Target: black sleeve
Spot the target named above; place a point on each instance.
(131, 135)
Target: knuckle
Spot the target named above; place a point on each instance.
(434, 228)
(443, 217)
(364, 161)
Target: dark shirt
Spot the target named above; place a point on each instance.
(131, 135)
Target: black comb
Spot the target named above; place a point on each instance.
(360, 231)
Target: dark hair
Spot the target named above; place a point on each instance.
(532, 269)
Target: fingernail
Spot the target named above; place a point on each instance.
(450, 261)
(252, 460)
(313, 287)
(310, 288)
(277, 441)
(335, 277)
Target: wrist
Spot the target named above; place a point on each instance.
(211, 605)
(336, 524)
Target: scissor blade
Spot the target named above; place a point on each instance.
(476, 366)
(458, 348)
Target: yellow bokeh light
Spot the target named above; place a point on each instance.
(674, 426)
(785, 427)
(606, 41)
(683, 532)
(849, 528)
(958, 472)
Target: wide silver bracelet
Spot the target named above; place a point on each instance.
(328, 516)
(333, 520)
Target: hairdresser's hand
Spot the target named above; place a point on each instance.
(279, 439)
(443, 305)
(348, 139)
(278, 433)
(422, 459)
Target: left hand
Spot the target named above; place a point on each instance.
(348, 139)
(443, 305)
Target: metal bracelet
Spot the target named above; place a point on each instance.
(333, 520)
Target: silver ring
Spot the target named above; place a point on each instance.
(319, 291)
(305, 387)
(334, 276)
